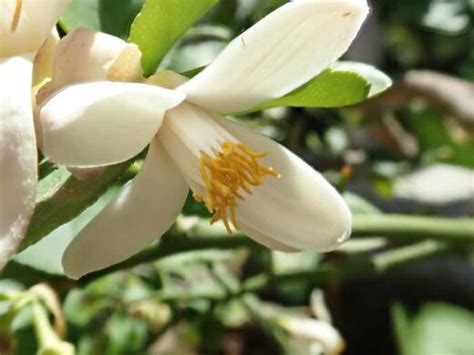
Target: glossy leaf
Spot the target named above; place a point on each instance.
(343, 84)
(161, 23)
(378, 80)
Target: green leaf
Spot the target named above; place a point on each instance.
(438, 328)
(61, 197)
(343, 84)
(378, 80)
(47, 253)
(437, 143)
(109, 16)
(160, 24)
(81, 308)
(125, 334)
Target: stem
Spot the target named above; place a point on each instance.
(48, 341)
(44, 332)
(405, 228)
(452, 231)
(175, 244)
(414, 227)
(397, 256)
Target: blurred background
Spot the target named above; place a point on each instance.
(408, 151)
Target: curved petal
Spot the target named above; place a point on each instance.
(187, 132)
(85, 55)
(103, 123)
(24, 25)
(42, 67)
(300, 210)
(265, 240)
(277, 55)
(18, 154)
(43, 63)
(143, 211)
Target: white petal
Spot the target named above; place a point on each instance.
(18, 156)
(86, 173)
(81, 56)
(35, 21)
(143, 211)
(313, 331)
(278, 54)
(437, 184)
(265, 240)
(85, 55)
(196, 128)
(301, 210)
(103, 122)
(42, 69)
(187, 132)
(43, 63)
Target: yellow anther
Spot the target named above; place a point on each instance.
(16, 15)
(234, 170)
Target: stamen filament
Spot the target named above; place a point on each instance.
(16, 15)
(226, 175)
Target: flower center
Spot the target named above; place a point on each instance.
(233, 171)
(16, 15)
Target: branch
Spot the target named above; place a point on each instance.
(349, 269)
(448, 232)
(395, 227)
(412, 228)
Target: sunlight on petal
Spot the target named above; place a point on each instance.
(111, 122)
(280, 53)
(301, 210)
(143, 211)
(18, 155)
(34, 23)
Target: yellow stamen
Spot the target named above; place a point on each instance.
(16, 15)
(234, 169)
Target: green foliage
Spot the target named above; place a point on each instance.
(114, 304)
(102, 15)
(63, 197)
(344, 84)
(197, 290)
(437, 141)
(46, 254)
(160, 24)
(125, 335)
(437, 328)
(377, 79)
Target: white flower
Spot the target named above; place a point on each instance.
(313, 335)
(437, 184)
(246, 180)
(24, 25)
